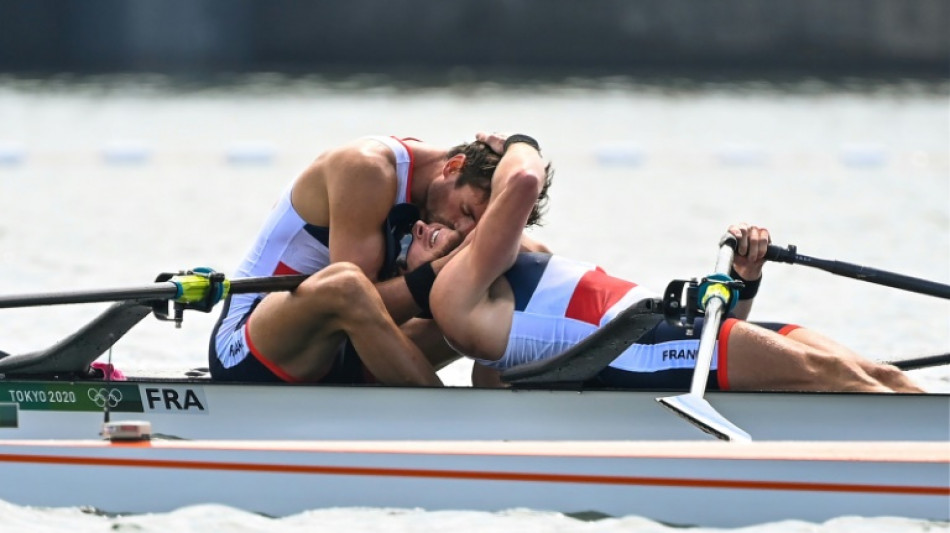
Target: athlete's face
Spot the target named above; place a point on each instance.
(431, 241)
(459, 208)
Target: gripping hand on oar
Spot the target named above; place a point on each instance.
(752, 244)
(751, 247)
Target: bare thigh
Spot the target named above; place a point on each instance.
(760, 359)
(888, 375)
(300, 331)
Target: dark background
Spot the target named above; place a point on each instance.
(623, 37)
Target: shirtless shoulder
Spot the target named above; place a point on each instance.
(361, 172)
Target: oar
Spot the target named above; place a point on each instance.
(692, 406)
(921, 362)
(182, 288)
(871, 275)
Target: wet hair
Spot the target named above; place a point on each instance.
(480, 164)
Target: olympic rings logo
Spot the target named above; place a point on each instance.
(103, 396)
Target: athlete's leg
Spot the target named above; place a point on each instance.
(889, 375)
(760, 359)
(301, 331)
(427, 335)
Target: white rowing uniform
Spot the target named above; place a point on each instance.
(288, 245)
(558, 303)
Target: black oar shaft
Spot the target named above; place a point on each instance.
(922, 362)
(266, 284)
(863, 273)
(162, 290)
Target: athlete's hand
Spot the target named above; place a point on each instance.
(750, 253)
(495, 140)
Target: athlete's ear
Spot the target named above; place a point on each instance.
(453, 165)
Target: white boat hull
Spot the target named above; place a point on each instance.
(707, 483)
(204, 410)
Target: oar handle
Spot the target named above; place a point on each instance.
(859, 272)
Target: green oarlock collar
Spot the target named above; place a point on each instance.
(718, 286)
(200, 288)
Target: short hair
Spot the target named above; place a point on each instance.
(480, 164)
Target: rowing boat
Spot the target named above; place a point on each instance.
(195, 408)
(547, 442)
(283, 449)
(708, 483)
(51, 394)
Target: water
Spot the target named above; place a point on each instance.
(204, 518)
(109, 182)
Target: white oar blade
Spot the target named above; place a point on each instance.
(698, 412)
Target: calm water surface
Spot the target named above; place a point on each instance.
(107, 183)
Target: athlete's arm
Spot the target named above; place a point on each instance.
(461, 298)
(361, 189)
(516, 184)
(531, 245)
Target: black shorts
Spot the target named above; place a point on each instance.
(676, 379)
(347, 369)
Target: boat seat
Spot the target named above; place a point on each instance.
(75, 353)
(575, 366)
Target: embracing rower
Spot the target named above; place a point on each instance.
(341, 222)
(503, 308)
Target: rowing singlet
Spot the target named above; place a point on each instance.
(559, 302)
(288, 245)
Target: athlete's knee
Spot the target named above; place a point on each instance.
(349, 281)
(357, 298)
(846, 374)
(339, 286)
(885, 373)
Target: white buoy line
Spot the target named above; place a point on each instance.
(131, 152)
(750, 154)
(620, 153)
(11, 153)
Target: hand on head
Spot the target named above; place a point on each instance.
(495, 140)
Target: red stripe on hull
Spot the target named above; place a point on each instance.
(480, 475)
